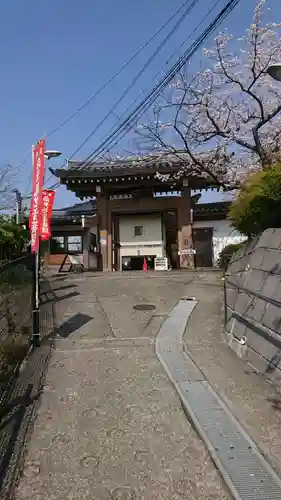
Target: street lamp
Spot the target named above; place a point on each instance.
(275, 71)
(52, 153)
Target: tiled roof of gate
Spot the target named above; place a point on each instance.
(160, 162)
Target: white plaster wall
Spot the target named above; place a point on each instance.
(151, 243)
(223, 235)
(93, 230)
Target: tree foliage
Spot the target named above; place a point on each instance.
(258, 204)
(225, 119)
(13, 238)
(226, 254)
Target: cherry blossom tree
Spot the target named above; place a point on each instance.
(225, 120)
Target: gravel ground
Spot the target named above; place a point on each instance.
(254, 401)
(110, 424)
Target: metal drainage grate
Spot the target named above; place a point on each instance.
(251, 476)
(144, 307)
(246, 472)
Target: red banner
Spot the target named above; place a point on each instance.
(35, 219)
(48, 197)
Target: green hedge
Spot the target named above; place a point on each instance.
(258, 204)
(226, 254)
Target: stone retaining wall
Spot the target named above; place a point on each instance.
(253, 297)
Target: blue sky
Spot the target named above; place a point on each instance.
(56, 54)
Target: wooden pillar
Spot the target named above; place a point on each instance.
(115, 237)
(109, 238)
(102, 210)
(86, 248)
(185, 244)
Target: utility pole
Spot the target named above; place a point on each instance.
(18, 205)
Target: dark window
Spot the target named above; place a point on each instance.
(93, 242)
(66, 244)
(138, 231)
(74, 244)
(57, 244)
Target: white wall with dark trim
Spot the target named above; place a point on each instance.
(223, 235)
(152, 242)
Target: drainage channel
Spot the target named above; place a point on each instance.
(245, 471)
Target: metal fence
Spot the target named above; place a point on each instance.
(22, 367)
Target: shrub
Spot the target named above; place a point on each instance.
(258, 205)
(226, 254)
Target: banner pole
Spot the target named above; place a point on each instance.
(36, 338)
(35, 289)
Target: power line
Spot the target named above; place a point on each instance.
(125, 65)
(112, 78)
(136, 78)
(152, 96)
(168, 60)
(156, 91)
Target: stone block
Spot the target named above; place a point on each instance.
(228, 319)
(256, 258)
(245, 261)
(272, 287)
(264, 346)
(257, 309)
(231, 296)
(243, 302)
(265, 239)
(277, 292)
(238, 329)
(262, 365)
(261, 273)
(275, 241)
(271, 262)
(272, 318)
(256, 279)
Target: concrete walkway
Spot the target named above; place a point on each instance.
(110, 424)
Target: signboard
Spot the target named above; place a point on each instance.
(103, 237)
(48, 197)
(187, 251)
(35, 219)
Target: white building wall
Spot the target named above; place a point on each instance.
(151, 243)
(223, 235)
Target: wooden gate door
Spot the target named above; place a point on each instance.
(203, 244)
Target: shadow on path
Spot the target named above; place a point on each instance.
(72, 324)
